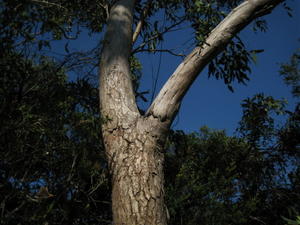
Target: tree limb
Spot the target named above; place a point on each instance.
(161, 50)
(167, 102)
(117, 100)
(140, 24)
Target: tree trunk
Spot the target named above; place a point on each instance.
(136, 163)
(134, 142)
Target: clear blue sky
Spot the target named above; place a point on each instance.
(209, 102)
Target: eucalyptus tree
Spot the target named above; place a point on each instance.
(134, 141)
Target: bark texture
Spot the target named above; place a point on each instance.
(137, 172)
(134, 142)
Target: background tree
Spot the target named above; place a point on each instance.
(252, 178)
(50, 139)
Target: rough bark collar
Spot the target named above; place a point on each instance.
(167, 102)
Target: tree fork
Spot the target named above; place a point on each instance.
(134, 142)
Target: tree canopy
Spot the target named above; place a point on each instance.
(52, 162)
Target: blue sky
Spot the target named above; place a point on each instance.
(209, 102)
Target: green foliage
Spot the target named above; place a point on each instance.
(293, 222)
(50, 137)
(291, 73)
(135, 68)
(29, 18)
(252, 179)
(289, 135)
(257, 124)
(232, 64)
(212, 178)
(292, 213)
(49, 125)
(289, 141)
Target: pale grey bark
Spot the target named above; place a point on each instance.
(134, 142)
(167, 102)
(140, 24)
(137, 173)
(117, 99)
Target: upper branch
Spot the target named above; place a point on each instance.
(167, 102)
(140, 24)
(117, 100)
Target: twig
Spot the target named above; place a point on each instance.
(167, 29)
(49, 4)
(140, 24)
(161, 50)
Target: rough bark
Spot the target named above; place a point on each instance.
(136, 161)
(134, 142)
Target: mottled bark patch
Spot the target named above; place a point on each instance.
(136, 163)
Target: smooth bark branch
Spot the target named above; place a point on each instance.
(134, 143)
(167, 102)
(140, 24)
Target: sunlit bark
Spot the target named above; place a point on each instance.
(134, 142)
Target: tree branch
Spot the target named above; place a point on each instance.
(117, 100)
(167, 102)
(48, 4)
(140, 24)
(157, 35)
(161, 50)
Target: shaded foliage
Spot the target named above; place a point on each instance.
(216, 179)
(232, 64)
(291, 73)
(52, 163)
(257, 124)
(50, 138)
(252, 178)
(26, 20)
